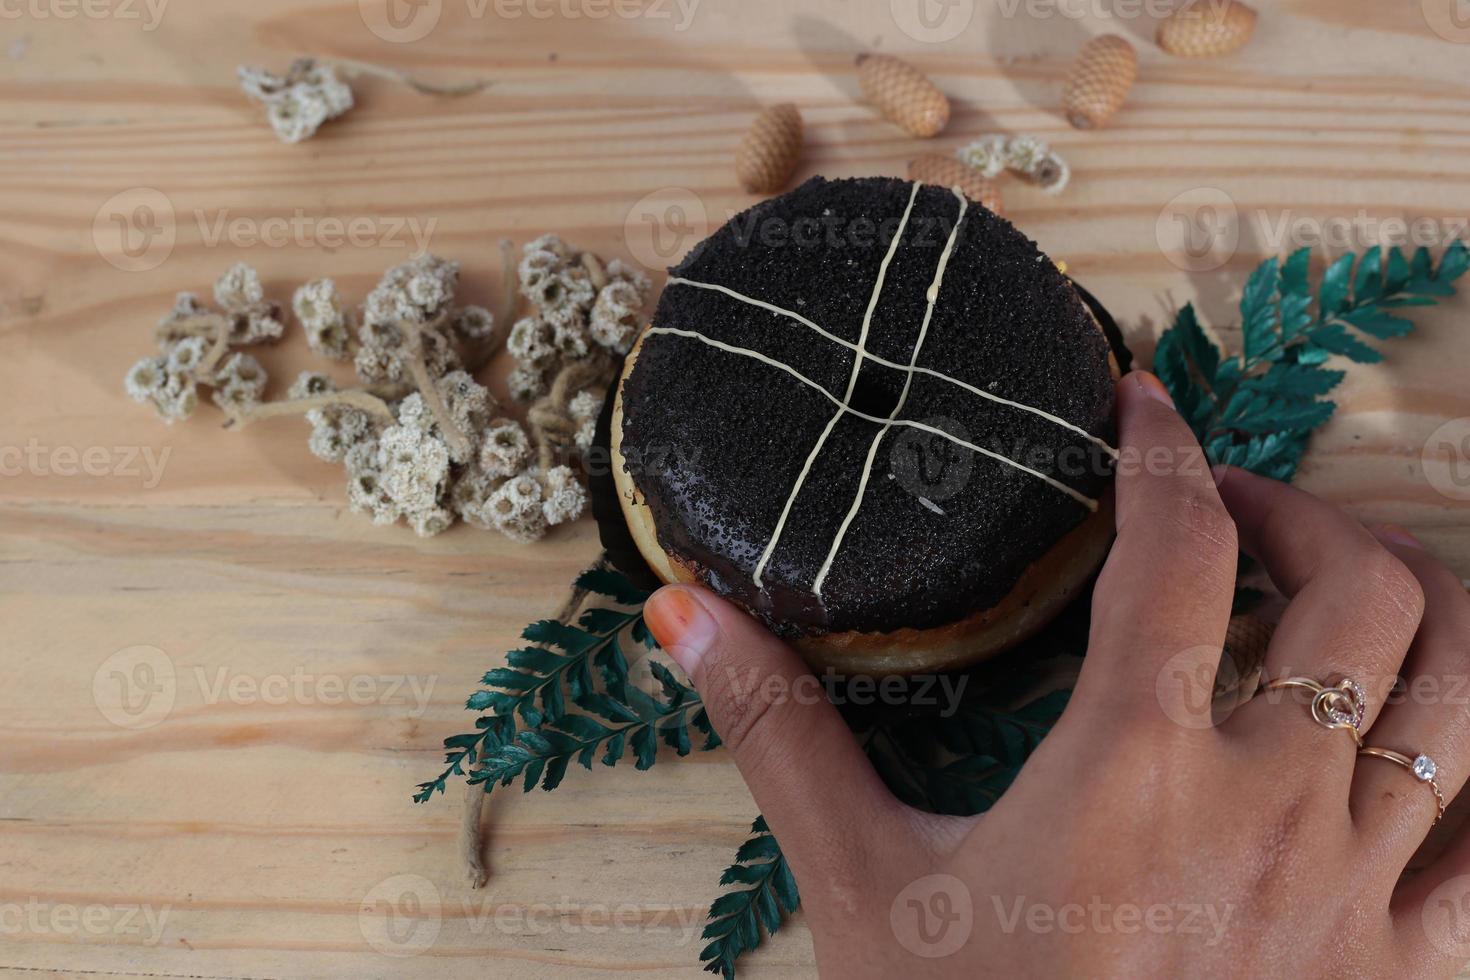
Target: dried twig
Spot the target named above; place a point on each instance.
(351, 398)
(413, 358)
(353, 68)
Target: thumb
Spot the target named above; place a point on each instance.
(810, 778)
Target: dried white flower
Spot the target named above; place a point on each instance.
(549, 242)
(365, 490)
(514, 509)
(1024, 153)
(532, 342)
(469, 494)
(987, 155)
(298, 104)
(565, 296)
(239, 382)
(146, 378)
(564, 498)
(176, 400)
(185, 356)
(585, 408)
(526, 383)
(572, 340)
(615, 315)
(620, 271)
(319, 309)
(261, 325)
(418, 291)
(239, 288)
(414, 467)
(506, 449)
(1052, 174)
(427, 523)
(473, 323)
(186, 308)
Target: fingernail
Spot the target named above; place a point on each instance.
(681, 625)
(1395, 534)
(1151, 386)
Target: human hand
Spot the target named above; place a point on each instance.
(1140, 838)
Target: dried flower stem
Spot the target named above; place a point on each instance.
(595, 270)
(413, 357)
(216, 352)
(551, 419)
(471, 829)
(472, 836)
(353, 68)
(197, 325)
(351, 398)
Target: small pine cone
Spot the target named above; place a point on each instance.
(903, 94)
(1099, 81)
(769, 150)
(1207, 30)
(935, 168)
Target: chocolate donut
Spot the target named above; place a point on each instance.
(879, 418)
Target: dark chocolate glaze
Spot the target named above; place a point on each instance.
(715, 441)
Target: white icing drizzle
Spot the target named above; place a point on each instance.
(932, 298)
(908, 369)
(843, 407)
(1082, 499)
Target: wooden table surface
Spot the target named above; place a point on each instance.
(302, 664)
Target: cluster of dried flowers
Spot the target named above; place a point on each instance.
(299, 102)
(316, 90)
(421, 440)
(1028, 157)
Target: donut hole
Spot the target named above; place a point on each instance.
(873, 397)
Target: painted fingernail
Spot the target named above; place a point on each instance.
(1151, 386)
(1394, 534)
(681, 625)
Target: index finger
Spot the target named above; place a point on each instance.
(1162, 602)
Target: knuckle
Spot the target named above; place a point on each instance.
(742, 700)
(1391, 579)
(1202, 517)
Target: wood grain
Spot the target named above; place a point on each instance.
(253, 827)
